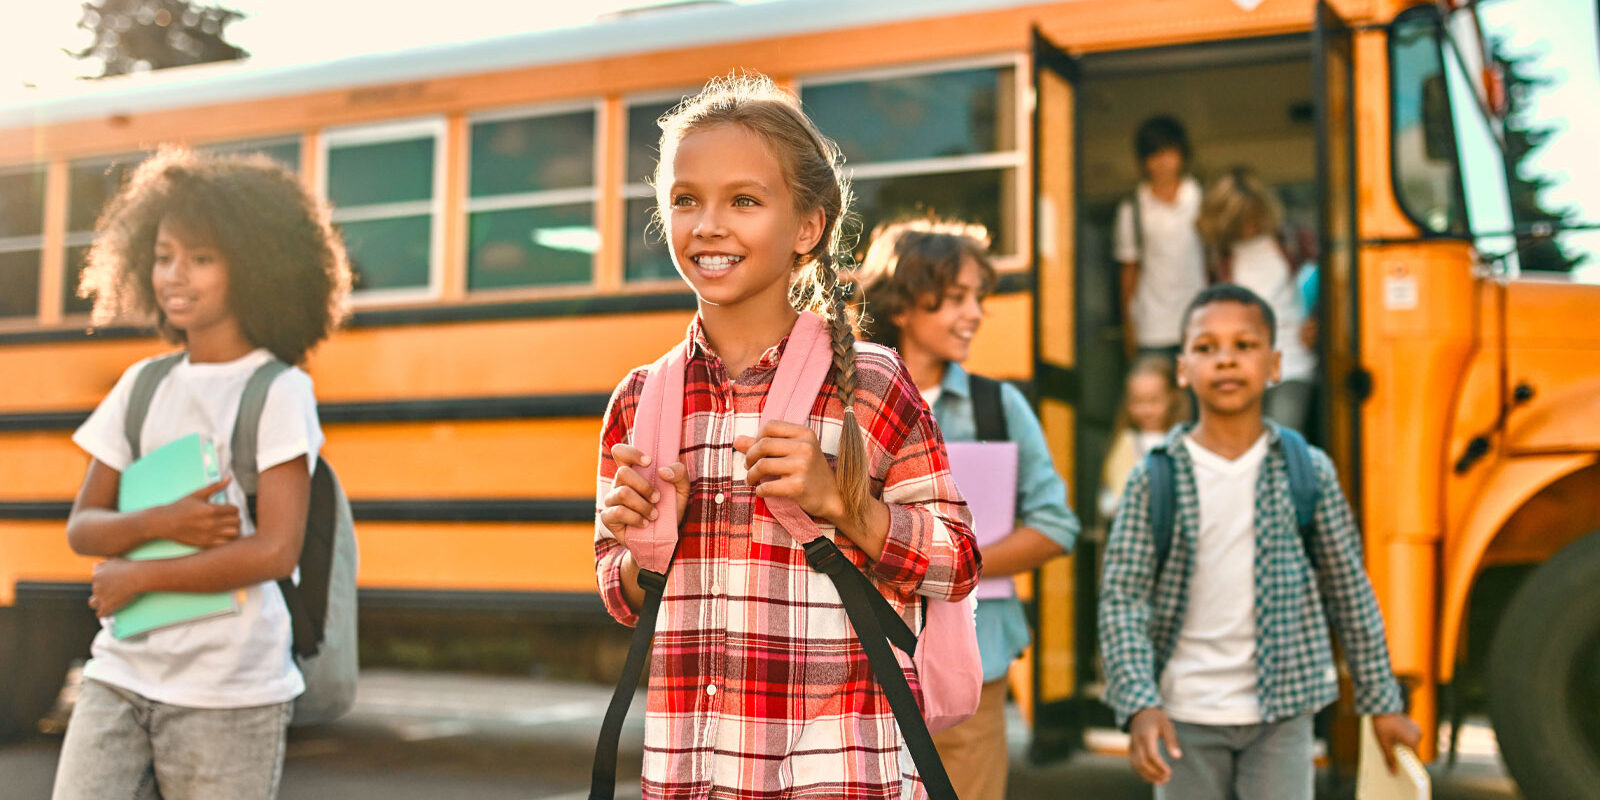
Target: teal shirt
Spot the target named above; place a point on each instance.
(1041, 504)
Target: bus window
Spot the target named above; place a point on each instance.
(90, 183)
(383, 183)
(284, 150)
(1483, 174)
(531, 200)
(942, 142)
(647, 258)
(21, 240)
(1549, 52)
(1426, 180)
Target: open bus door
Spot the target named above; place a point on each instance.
(1064, 633)
(1345, 382)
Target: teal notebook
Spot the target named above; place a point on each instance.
(162, 476)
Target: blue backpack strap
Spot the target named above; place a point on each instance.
(1163, 489)
(1304, 487)
(144, 388)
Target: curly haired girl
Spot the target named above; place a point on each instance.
(236, 262)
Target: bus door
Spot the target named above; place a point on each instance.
(1062, 637)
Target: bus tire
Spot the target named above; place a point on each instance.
(37, 645)
(1544, 677)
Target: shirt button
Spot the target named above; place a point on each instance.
(711, 691)
(716, 590)
(717, 499)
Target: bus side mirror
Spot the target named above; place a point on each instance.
(1438, 132)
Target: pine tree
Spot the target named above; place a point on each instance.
(138, 35)
(1536, 252)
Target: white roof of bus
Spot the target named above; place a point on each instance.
(634, 32)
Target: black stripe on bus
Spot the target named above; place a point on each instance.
(535, 406)
(391, 510)
(1010, 283)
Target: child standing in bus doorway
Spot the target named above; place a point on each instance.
(236, 263)
(1154, 240)
(1239, 222)
(1152, 402)
(765, 690)
(1217, 686)
(925, 284)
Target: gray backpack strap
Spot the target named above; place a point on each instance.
(144, 388)
(247, 427)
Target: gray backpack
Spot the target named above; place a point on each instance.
(322, 604)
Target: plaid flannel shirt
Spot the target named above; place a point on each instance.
(758, 687)
(1141, 613)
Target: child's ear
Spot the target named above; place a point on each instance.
(810, 231)
(1277, 366)
(1183, 371)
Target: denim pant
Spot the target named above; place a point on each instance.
(121, 745)
(1270, 761)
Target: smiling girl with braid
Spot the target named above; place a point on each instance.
(759, 687)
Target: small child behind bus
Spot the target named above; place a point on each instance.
(235, 262)
(1152, 402)
(1217, 686)
(925, 285)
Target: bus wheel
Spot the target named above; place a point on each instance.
(37, 644)
(1544, 677)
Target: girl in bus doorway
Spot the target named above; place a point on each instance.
(1162, 263)
(925, 286)
(1239, 222)
(236, 263)
(767, 691)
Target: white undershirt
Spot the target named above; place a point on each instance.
(1210, 679)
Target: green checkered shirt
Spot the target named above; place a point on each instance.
(1141, 613)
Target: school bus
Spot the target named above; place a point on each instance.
(494, 198)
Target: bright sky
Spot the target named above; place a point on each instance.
(277, 31)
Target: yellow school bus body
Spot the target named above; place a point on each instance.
(1433, 342)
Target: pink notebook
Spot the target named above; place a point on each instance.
(986, 474)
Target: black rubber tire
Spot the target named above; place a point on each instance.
(38, 641)
(1544, 677)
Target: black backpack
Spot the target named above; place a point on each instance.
(1304, 489)
(322, 604)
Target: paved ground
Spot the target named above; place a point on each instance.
(414, 736)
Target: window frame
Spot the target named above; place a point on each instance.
(528, 200)
(23, 244)
(638, 190)
(1016, 159)
(436, 126)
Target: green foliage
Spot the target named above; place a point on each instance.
(139, 35)
(1538, 252)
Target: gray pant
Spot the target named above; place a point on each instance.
(121, 745)
(1249, 762)
(1289, 404)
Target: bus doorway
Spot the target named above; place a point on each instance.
(1247, 102)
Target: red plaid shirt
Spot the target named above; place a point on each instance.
(758, 687)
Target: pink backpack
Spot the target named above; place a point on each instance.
(945, 654)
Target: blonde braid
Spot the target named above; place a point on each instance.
(852, 469)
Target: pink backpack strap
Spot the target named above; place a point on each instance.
(658, 431)
(806, 360)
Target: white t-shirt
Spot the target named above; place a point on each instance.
(231, 661)
(1171, 259)
(1259, 265)
(1210, 679)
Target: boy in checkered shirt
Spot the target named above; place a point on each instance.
(1216, 683)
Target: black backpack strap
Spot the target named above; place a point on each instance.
(858, 593)
(144, 388)
(1304, 488)
(603, 782)
(1163, 493)
(988, 410)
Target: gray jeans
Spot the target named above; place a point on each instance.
(1249, 762)
(121, 745)
(1289, 404)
